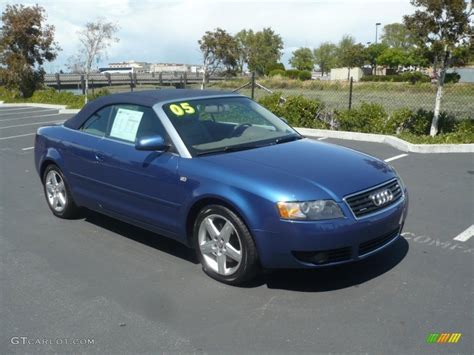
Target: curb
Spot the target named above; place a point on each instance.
(395, 142)
(60, 108)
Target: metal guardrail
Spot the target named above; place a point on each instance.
(75, 81)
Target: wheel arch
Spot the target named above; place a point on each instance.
(47, 162)
(51, 156)
(199, 204)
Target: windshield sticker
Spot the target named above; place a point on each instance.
(126, 124)
(182, 109)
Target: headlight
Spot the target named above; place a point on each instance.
(310, 210)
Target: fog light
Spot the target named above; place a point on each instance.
(320, 258)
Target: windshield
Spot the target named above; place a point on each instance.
(226, 124)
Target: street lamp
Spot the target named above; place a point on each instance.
(376, 31)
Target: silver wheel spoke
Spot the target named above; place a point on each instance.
(55, 202)
(221, 261)
(226, 232)
(233, 253)
(207, 248)
(49, 188)
(62, 199)
(211, 228)
(60, 186)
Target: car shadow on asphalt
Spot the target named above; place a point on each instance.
(140, 235)
(336, 277)
(309, 280)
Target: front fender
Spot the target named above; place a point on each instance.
(256, 212)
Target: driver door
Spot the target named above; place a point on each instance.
(139, 185)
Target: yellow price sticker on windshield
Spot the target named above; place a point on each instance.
(182, 109)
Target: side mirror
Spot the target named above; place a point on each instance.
(284, 119)
(152, 143)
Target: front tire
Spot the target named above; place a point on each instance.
(224, 245)
(57, 193)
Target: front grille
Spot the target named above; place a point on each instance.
(324, 256)
(361, 204)
(373, 244)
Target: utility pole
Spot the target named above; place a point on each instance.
(376, 39)
(376, 31)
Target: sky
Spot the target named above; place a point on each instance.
(168, 30)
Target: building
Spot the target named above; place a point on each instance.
(133, 66)
(175, 67)
(130, 66)
(345, 73)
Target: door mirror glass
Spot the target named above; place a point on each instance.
(152, 143)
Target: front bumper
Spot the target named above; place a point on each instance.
(312, 244)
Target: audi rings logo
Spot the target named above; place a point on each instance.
(382, 197)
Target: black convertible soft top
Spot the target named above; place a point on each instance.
(144, 98)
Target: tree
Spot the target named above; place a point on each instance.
(26, 43)
(397, 35)
(243, 39)
(325, 56)
(95, 39)
(350, 54)
(219, 50)
(302, 59)
(373, 51)
(265, 50)
(442, 26)
(393, 58)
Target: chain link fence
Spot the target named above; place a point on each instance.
(457, 100)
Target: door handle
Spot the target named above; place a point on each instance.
(99, 158)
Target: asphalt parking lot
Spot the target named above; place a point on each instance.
(131, 291)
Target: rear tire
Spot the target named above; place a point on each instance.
(57, 193)
(224, 246)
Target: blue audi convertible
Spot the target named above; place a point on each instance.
(223, 175)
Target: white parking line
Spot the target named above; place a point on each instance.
(37, 111)
(28, 112)
(25, 118)
(31, 124)
(395, 157)
(17, 136)
(27, 148)
(464, 236)
(16, 109)
(322, 138)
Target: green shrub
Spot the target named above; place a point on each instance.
(275, 66)
(452, 78)
(9, 95)
(367, 118)
(397, 122)
(411, 77)
(273, 103)
(415, 77)
(420, 122)
(51, 96)
(304, 75)
(276, 72)
(298, 110)
(292, 73)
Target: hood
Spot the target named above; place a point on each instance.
(336, 170)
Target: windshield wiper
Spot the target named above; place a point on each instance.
(286, 139)
(231, 148)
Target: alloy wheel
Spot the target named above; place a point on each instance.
(55, 191)
(220, 244)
